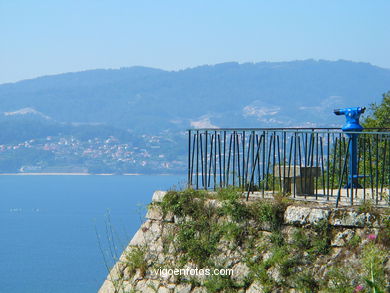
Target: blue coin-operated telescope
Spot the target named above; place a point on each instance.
(352, 115)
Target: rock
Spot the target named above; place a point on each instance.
(107, 287)
(267, 255)
(158, 196)
(240, 271)
(318, 215)
(137, 276)
(274, 274)
(179, 219)
(128, 287)
(289, 231)
(147, 285)
(346, 218)
(342, 238)
(387, 266)
(384, 219)
(139, 236)
(155, 213)
(151, 234)
(335, 253)
(163, 289)
(182, 288)
(255, 287)
(141, 285)
(297, 215)
(199, 290)
(156, 247)
(116, 272)
(213, 203)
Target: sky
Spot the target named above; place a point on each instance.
(43, 37)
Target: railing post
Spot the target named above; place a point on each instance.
(189, 160)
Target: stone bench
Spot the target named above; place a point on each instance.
(304, 178)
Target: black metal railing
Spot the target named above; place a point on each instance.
(307, 163)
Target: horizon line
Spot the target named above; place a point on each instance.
(186, 68)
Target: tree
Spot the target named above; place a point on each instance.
(379, 116)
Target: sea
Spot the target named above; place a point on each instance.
(61, 233)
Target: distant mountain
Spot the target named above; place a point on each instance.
(147, 100)
(132, 120)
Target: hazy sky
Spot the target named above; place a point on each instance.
(41, 37)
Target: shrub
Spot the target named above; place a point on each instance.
(182, 203)
(340, 280)
(384, 233)
(268, 212)
(373, 262)
(219, 283)
(135, 260)
(301, 240)
(305, 282)
(354, 241)
(321, 241)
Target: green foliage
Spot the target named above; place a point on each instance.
(230, 193)
(288, 264)
(135, 259)
(198, 232)
(12, 160)
(282, 258)
(354, 241)
(314, 243)
(269, 212)
(258, 271)
(373, 262)
(278, 254)
(321, 240)
(197, 241)
(237, 210)
(182, 203)
(277, 238)
(166, 240)
(305, 282)
(379, 114)
(384, 233)
(366, 207)
(339, 280)
(219, 283)
(231, 231)
(301, 240)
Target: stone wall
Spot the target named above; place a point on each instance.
(260, 261)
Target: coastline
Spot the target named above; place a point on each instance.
(82, 174)
(65, 174)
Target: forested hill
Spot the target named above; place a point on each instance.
(224, 95)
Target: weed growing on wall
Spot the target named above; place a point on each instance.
(135, 259)
(373, 261)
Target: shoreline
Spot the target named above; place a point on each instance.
(81, 174)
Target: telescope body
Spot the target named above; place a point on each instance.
(352, 116)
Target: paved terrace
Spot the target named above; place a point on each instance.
(322, 198)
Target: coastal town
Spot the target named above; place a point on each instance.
(68, 154)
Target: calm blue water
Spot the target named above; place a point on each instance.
(48, 226)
